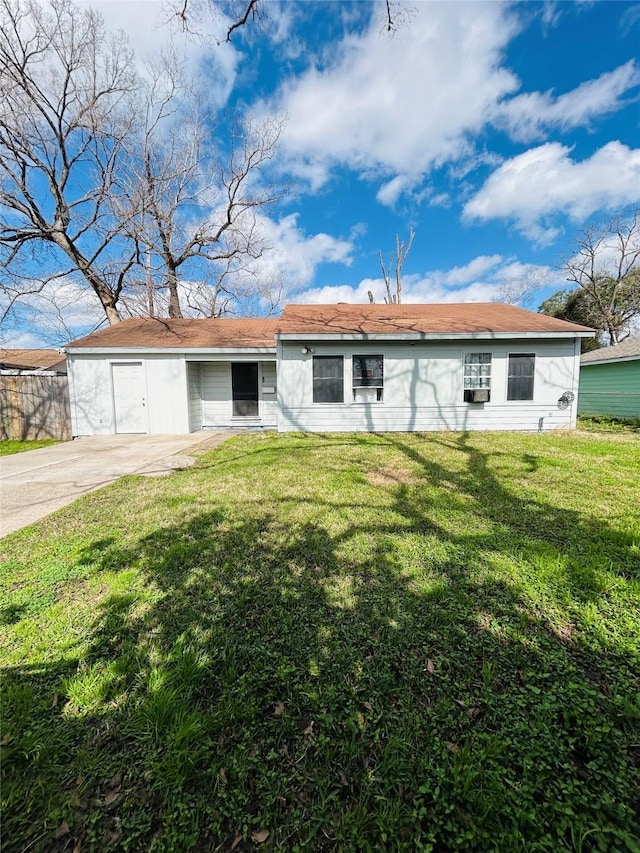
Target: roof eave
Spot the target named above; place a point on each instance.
(429, 336)
(610, 360)
(184, 350)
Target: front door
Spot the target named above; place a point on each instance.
(244, 389)
(129, 397)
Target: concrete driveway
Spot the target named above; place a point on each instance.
(37, 482)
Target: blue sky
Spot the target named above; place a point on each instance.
(495, 131)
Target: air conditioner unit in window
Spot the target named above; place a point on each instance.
(480, 395)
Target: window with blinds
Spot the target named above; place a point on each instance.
(328, 379)
(520, 376)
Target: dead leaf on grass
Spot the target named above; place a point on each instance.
(222, 773)
(430, 668)
(309, 729)
(235, 842)
(62, 830)
(6, 740)
(111, 797)
(260, 836)
(452, 747)
(368, 706)
(112, 836)
(279, 709)
(471, 712)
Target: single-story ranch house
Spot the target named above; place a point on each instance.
(330, 368)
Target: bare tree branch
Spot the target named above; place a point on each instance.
(251, 10)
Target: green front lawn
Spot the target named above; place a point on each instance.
(343, 642)
(9, 446)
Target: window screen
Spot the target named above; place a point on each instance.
(477, 375)
(328, 379)
(368, 378)
(520, 378)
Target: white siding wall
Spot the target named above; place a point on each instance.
(165, 379)
(215, 388)
(423, 388)
(91, 395)
(193, 390)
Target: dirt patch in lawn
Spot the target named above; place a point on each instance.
(391, 477)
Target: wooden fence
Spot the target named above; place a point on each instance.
(34, 406)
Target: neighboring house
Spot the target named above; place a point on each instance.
(331, 368)
(610, 380)
(32, 360)
(34, 394)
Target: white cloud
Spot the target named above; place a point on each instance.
(440, 200)
(550, 14)
(293, 255)
(545, 181)
(390, 192)
(529, 115)
(152, 28)
(484, 279)
(394, 109)
(62, 310)
(21, 339)
(400, 105)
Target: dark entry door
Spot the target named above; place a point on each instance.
(244, 389)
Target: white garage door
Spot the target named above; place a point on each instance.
(129, 397)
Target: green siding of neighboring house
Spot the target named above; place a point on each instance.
(610, 389)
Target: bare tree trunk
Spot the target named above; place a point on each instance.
(149, 282)
(172, 283)
(108, 298)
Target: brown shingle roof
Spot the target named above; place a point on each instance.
(342, 319)
(182, 334)
(629, 348)
(449, 318)
(32, 359)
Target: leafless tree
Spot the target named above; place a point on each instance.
(65, 112)
(605, 264)
(192, 202)
(393, 286)
(523, 289)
